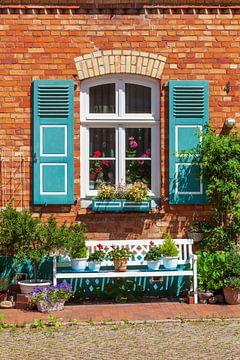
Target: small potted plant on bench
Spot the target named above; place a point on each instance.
(95, 259)
(153, 256)
(170, 253)
(120, 258)
(122, 198)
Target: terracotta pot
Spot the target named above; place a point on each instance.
(120, 265)
(232, 296)
(3, 296)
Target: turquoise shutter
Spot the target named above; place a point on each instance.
(188, 116)
(53, 141)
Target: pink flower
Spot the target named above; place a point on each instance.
(131, 138)
(148, 152)
(105, 162)
(133, 144)
(141, 162)
(97, 153)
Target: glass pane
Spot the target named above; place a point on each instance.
(138, 98)
(101, 171)
(138, 170)
(138, 143)
(102, 142)
(102, 98)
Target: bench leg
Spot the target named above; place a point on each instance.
(195, 290)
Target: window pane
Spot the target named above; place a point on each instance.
(138, 170)
(102, 142)
(138, 98)
(101, 171)
(138, 143)
(102, 98)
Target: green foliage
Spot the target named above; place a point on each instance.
(123, 290)
(97, 256)
(220, 156)
(210, 270)
(119, 254)
(154, 253)
(72, 238)
(232, 268)
(169, 248)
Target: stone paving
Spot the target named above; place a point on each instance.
(156, 341)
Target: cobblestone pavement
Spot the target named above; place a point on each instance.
(168, 341)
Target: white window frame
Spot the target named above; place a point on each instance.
(120, 120)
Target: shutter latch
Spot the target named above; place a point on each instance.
(35, 158)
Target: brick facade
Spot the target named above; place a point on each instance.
(54, 43)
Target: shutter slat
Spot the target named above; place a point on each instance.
(53, 101)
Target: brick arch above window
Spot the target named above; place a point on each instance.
(120, 61)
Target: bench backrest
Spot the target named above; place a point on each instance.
(140, 247)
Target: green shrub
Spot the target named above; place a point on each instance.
(210, 270)
(169, 248)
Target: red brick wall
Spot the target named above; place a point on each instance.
(43, 46)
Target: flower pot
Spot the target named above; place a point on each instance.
(79, 264)
(120, 265)
(26, 286)
(232, 295)
(196, 236)
(94, 265)
(3, 296)
(170, 263)
(153, 264)
(44, 306)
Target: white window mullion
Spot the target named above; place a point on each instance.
(155, 155)
(121, 154)
(121, 98)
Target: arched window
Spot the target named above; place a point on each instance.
(119, 132)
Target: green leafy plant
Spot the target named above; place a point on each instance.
(169, 248)
(52, 294)
(106, 192)
(119, 254)
(138, 192)
(232, 268)
(4, 283)
(210, 270)
(220, 154)
(72, 238)
(24, 236)
(98, 255)
(154, 253)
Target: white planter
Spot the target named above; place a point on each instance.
(43, 306)
(153, 264)
(27, 286)
(94, 265)
(79, 264)
(170, 263)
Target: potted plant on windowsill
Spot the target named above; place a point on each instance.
(153, 256)
(231, 288)
(95, 259)
(122, 198)
(120, 258)
(73, 240)
(170, 253)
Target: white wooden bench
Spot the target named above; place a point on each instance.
(139, 248)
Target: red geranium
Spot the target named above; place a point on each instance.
(152, 243)
(97, 153)
(100, 246)
(105, 162)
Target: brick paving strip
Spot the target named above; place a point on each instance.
(131, 312)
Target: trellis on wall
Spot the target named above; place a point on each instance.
(13, 184)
